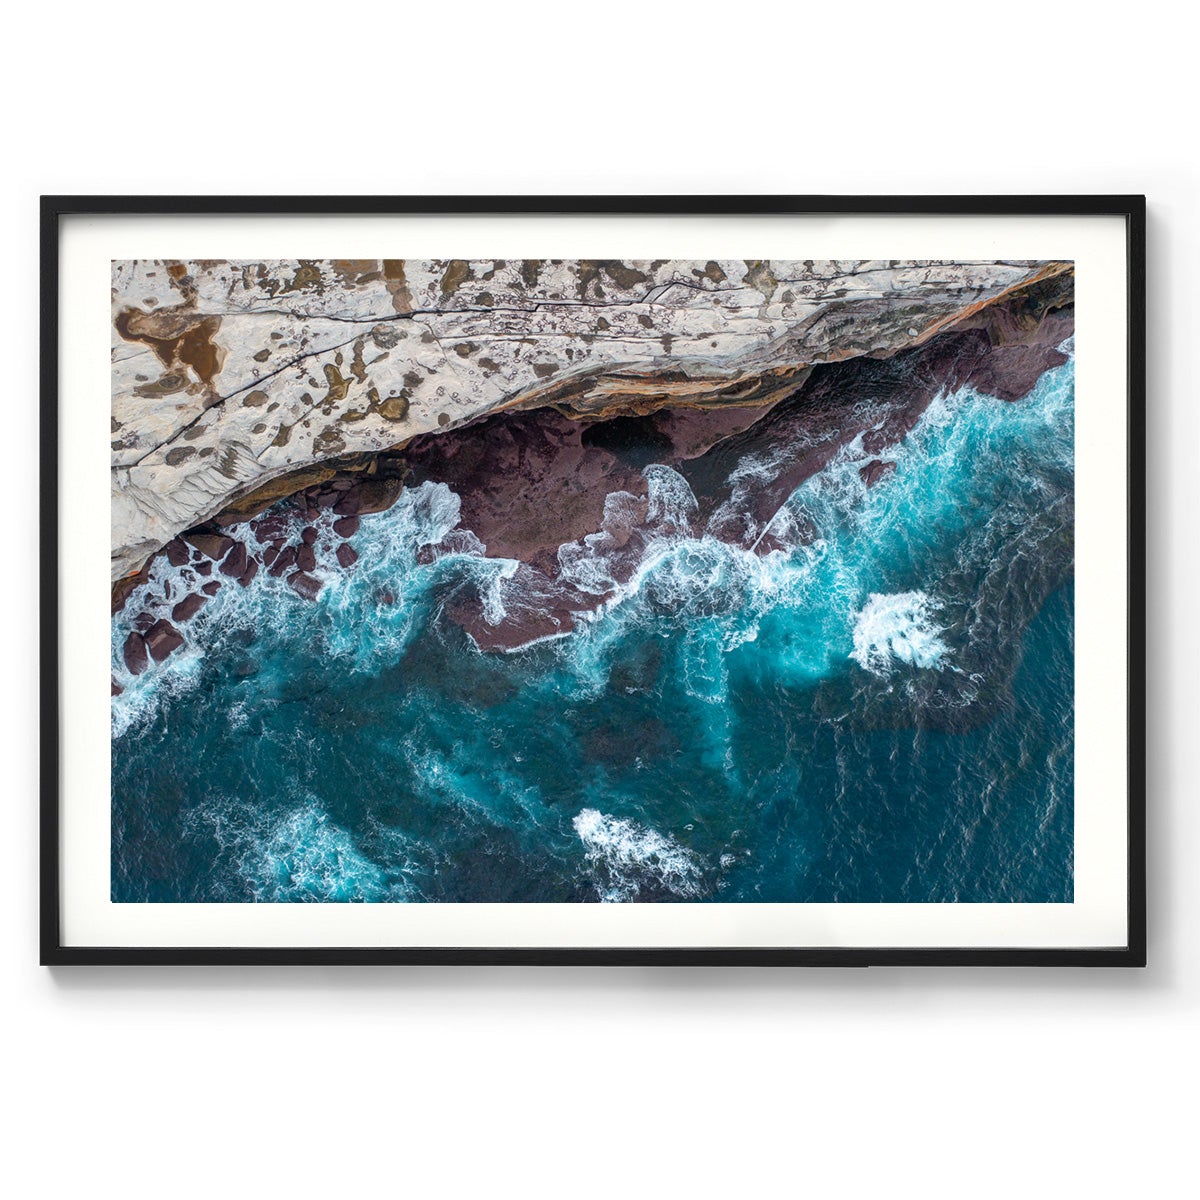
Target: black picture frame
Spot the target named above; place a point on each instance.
(55, 208)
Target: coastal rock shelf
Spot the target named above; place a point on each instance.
(573, 494)
(237, 384)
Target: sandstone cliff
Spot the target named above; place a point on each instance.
(237, 383)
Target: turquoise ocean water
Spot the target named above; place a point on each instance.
(881, 713)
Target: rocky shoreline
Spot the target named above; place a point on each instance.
(547, 481)
(233, 380)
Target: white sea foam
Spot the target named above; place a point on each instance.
(649, 561)
(625, 857)
(142, 694)
(307, 856)
(732, 520)
(377, 607)
(499, 572)
(671, 502)
(897, 628)
(299, 854)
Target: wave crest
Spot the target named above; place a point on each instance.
(627, 858)
(897, 628)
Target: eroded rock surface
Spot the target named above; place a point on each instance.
(578, 509)
(238, 383)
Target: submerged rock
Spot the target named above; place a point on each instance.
(875, 470)
(308, 586)
(270, 528)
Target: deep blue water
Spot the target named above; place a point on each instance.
(882, 714)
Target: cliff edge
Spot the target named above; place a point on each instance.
(237, 383)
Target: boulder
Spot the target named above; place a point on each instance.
(348, 503)
(188, 607)
(204, 568)
(212, 587)
(308, 586)
(345, 526)
(875, 470)
(377, 495)
(177, 553)
(134, 652)
(306, 558)
(117, 689)
(162, 639)
(234, 563)
(309, 536)
(346, 555)
(247, 576)
(211, 545)
(286, 560)
(270, 528)
(122, 589)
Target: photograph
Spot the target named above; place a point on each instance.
(569, 581)
(601, 602)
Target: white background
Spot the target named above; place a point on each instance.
(634, 1082)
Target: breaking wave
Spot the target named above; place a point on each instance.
(897, 628)
(627, 859)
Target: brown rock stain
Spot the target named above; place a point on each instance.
(338, 387)
(457, 272)
(396, 282)
(358, 368)
(760, 277)
(712, 271)
(307, 278)
(178, 338)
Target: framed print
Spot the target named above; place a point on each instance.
(682, 580)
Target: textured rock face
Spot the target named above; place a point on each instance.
(556, 495)
(236, 383)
